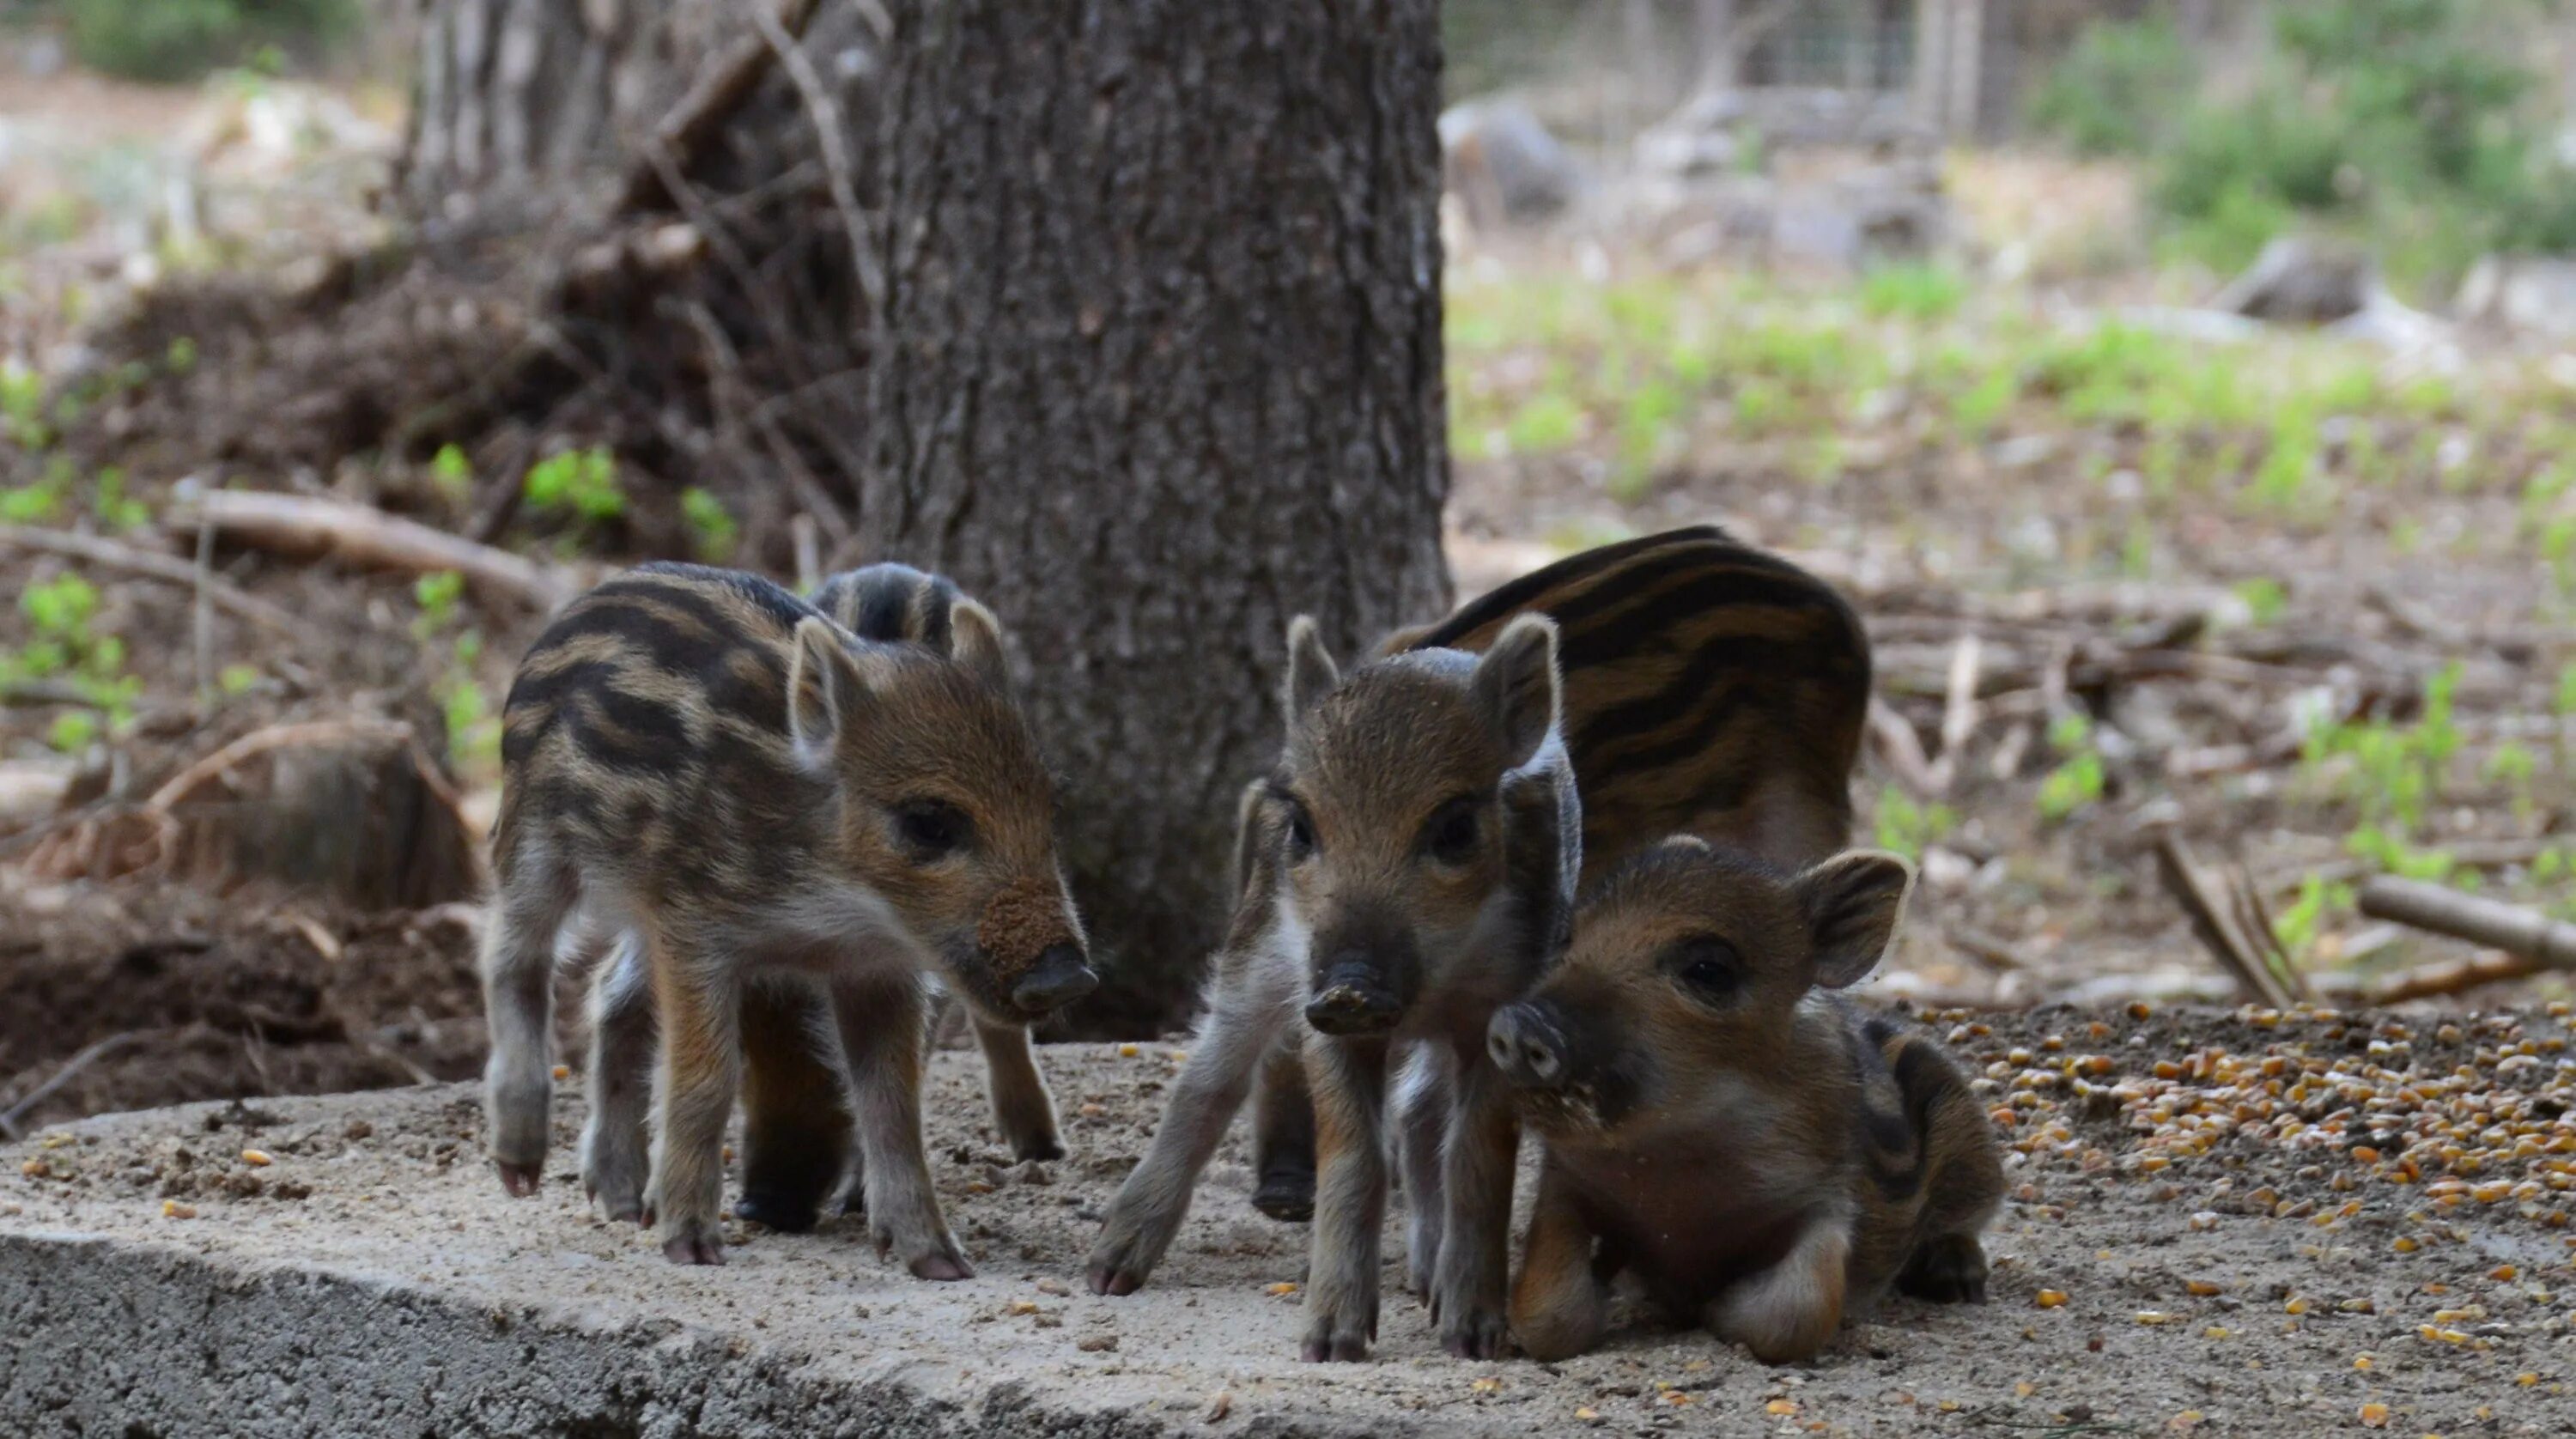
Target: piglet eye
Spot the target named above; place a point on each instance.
(1301, 833)
(1709, 968)
(1451, 835)
(931, 829)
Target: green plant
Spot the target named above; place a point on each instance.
(2393, 772)
(39, 500)
(1551, 420)
(22, 405)
(62, 612)
(2111, 94)
(2264, 598)
(1912, 292)
(437, 595)
(712, 531)
(2410, 122)
(237, 679)
(72, 731)
(185, 39)
(1909, 828)
(2298, 926)
(114, 507)
(451, 473)
(473, 733)
(2077, 783)
(581, 482)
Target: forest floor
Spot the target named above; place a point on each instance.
(2300, 600)
(2181, 1251)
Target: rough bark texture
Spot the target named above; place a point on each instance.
(1159, 368)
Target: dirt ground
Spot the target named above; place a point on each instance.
(2210, 1269)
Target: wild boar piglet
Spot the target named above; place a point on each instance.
(1767, 1158)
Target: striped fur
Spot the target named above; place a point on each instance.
(1710, 688)
(1703, 685)
(798, 1154)
(1718, 1120)
(762, 809)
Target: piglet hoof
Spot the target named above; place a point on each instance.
(1950, 1269)
(773, 1211)
(519, 1179)
(1342, 1338)
(1479, 1337)
(1117, 1283)
(941, 1265)
(1287, 1195)
(1334, 1349)
(1037, 1146)
(1118, 1265)
(694, 1245)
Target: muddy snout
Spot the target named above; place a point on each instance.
(1526, 1044)
(1059, 977)
(1353, 997)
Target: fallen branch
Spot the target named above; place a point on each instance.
(826, 115)
(181, 787)
(2526, 933)
(2229, 920)
(700, 116)
(1900, 748)
(223, 594)
(1992, 951)
(60, 1077)
(2468, 853)
(1958, 710)
(2433, 980)
(303, 524)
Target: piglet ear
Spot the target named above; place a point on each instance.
(827, 688)
(1852, 902)
(975, 641)
(1516, 685)
(1311, 671)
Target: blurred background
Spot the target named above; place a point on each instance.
(2185, 391)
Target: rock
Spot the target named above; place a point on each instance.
(2527, 294)
(1711, 130)
(2303, 280)
(1500, 160)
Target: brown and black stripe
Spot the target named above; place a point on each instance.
(1926, 1140)
(890, 602)
(1710, 688)
(647, 731)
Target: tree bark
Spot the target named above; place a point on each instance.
(1159, 368)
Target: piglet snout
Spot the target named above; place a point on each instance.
(1526, 1047)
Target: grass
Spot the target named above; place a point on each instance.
(473, 731)
(1649, 380)
(66, 646)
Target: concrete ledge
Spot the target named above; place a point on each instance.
(140, 1340)
(370, 1278)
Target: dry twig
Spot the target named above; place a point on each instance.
(222, 594)
(60, 1077)
(303, 524)
(2509, 927)
(720, 89)
(2452, 977)
(2229, 920)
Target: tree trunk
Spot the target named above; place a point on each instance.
(1159, 368)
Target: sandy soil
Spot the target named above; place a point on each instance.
(2232, 1277)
